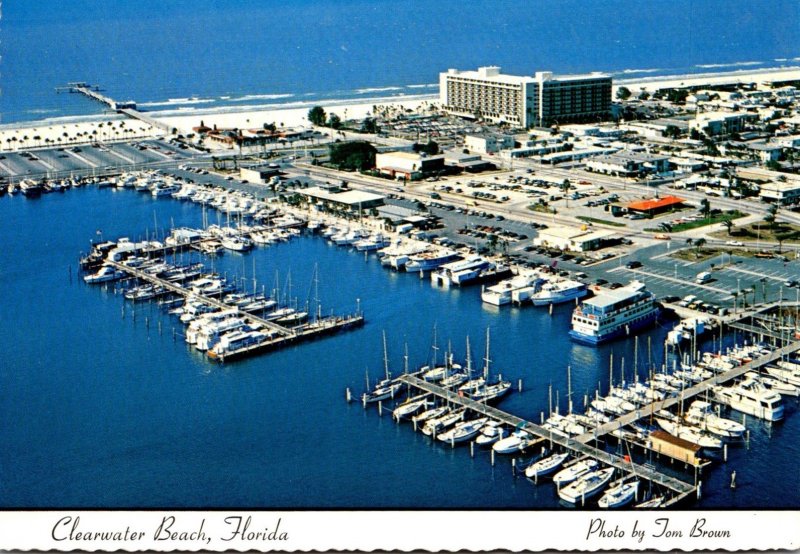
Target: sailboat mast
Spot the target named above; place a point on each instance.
(569, 389)
(385, 356)
(469, 359)
(486, 359)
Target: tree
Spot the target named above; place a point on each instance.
(334, 121)
(772, 213)
(431, 148)
(356, 155)
(317, 116)
(705, 207)
(694, 134)
(270, 127)
(728, 224)
(671, 132)
(698, 244)
(623, 93)
(370, 125)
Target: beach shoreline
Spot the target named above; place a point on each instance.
(294, 114)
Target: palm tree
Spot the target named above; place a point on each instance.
(728, 224)
(698, 244)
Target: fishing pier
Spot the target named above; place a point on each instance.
(281, 335)
(126, 107)
(578, 445)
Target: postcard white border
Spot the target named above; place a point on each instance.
(401, 531)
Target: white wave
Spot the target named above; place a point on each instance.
(177, 102)
(781, 59)
(249, 97)
(41, 111)
(430, 85)
(628, 71)
(371, 90)
(734, 64)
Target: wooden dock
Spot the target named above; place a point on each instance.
(681, 489)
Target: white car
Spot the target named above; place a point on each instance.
(734, 243)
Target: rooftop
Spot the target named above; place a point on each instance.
(352, 197)
(654, 203)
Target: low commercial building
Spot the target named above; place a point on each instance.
(629, 164)
(471, 163)
(338, 198)
(721, 123)
(408, 166)
(489, 143)
(258, 174)
(574, 239)
(780, 192)
(655, 206)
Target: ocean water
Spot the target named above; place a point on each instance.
(253, 53)
(103, 407)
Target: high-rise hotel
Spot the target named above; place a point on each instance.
(541, 100)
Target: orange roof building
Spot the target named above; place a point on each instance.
(655, 205)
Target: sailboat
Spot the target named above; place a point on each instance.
(620, 495)
(489, 391)
(386, 387)
(586, 486)
(463, 431)
(546, 466)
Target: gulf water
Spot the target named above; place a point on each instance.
(192, 54)
(104, 407)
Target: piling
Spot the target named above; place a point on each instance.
(380, 407)
(747, 438)
(159, 327)
(699, 488)
(174, 334)
(725, 452)
(348, 395)
(452, 441)
(513, 467)
(472, 449)
(492, 457)
(519, 385)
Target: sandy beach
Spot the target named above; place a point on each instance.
(47, 134)
(295, 116)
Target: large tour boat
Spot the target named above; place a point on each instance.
(614, 313)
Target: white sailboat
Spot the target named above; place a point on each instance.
(546, 466)
(619, 495)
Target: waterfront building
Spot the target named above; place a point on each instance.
(339, 198)
(525, 101)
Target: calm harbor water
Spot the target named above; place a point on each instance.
(268, 52)
(103, 410)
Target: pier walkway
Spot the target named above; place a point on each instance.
(681, 488)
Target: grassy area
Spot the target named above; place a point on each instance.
(542, 208)
(601, 221)
(694, 254)
(787, 232)
(716, 218)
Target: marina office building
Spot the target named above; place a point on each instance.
(524, 101)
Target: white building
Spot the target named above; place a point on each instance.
(718, 123)
(488, 144)
(573, 239)
(408, 165)
(628, 164)
(781, 192)
(525, 101)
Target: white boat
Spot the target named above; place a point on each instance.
(211, 333)
(463, 431)
(237, 244)
(689, 433)
(387, 387)
(546, 466)
(410, 407)
(787, 375)
(429, 414)
(455, 379)
(614, 313)
(291, 319)
(776, 385)
(502, 293)
(458, 272)
(620, 495)
(434, 426)
(429, 260)
(492, 432)
(653, 502)
(518, 441)
(573, 472)
(586, 486)
(489, 392)
(558, 292)
(104, 274)
(702, 414)
(752, 398)
(235, 341)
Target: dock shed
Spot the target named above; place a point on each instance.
(675, 447)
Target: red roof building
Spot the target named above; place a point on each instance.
(655, 205)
